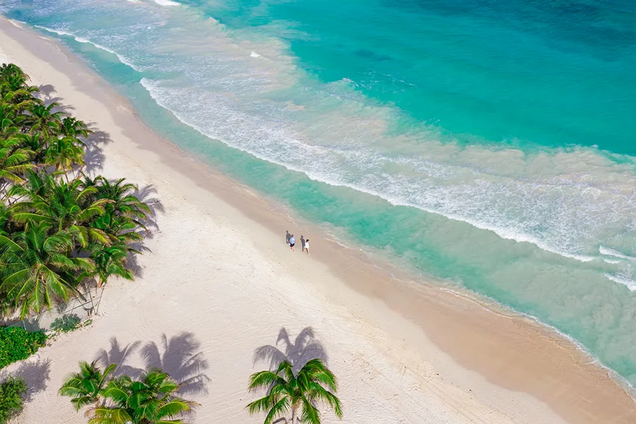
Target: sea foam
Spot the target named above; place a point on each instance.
(296, 162)
(627, 282)
(167, 3)
(121, 58)
(615, 253)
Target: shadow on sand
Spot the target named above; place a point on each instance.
(47, 94)
(93, 155)
(303, 349)
(120, 355)
(36, 374)
(179, 356)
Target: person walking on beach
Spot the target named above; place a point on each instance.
(302, 243)
(292, 242)
(287, 237)
(306, 248)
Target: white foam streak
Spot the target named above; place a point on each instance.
(121, 58)
(169, 3)
(611, 252)
(324, 164)
(630, 284)
(611, 261)
(16, 23)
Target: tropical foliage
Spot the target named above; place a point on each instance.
(17, 344)
(59, 229)
(290, 393)
(12, 391)
(151, 399)
(85, 387)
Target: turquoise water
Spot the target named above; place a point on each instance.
(489, 144)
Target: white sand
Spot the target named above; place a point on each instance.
(233, 284)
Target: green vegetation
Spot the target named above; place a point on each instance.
(86, 386)
(66, 323)
(287, 392)
(11, 392)
(152, 399)
(58, 227)
(17, 344)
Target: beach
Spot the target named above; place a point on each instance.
(219, 282)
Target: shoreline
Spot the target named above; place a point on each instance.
(511, 354)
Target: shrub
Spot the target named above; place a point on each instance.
(17, 344)
(11, 392)
(66, 323)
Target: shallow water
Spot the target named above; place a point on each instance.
(488, 144)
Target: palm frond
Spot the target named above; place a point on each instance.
(264, 379)
(310, 414)
(279, 409)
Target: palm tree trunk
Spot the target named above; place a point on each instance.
(293, 414)
(90, 296)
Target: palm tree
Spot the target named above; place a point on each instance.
(109, 260)
(10, 72)
(36, 186)
(36, 268)
(14, 162)
(288, 392)
(86, 386)
(38, 144)
(124, 214)
(55, 233)
(8, 117)
(71, 127)
(65, 206)
(5, 216)
(124, 202)
(151, 400)
(43, 119)
(65, 152)
(13, 81)
(8, 69)
(18, 100)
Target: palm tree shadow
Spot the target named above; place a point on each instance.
(146, 195)
(132, 260)
(47, 93)
(304, 348)
(180, 357)
(93, 154)
(36, 374)
(119, 355)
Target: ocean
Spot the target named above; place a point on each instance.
(487, 145)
